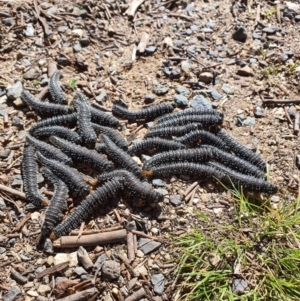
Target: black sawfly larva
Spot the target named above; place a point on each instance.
(29, 176)
(43, 107)
(89, 206)
(154, 143)
(134, 185)
(70, 176)
(82, 154)
(148, 113)
(58, 202)
(55, 90)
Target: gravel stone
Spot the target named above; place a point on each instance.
(110, 270)
(9, 21)
(178, 43)
(176, 73)
(166, 71)
(158, 282)
(263, 64)
(240, 34)
(181, 100)
(2, 250)
(12, 294)
(207, 30)
(62, 60)
(80, 271)
(215, 94)
(43, 289)
(14, 91)
(200, 101)
(259, 112)
(182, 90)
(99, 261)
(48, 246)
(160, 89)
(17, 180)
(239, 285)
(18, 122)
(186, 66)
(85, 41)
(62, 28)
(131, 226)
(150, 49)
(256, 36)
(150, 246)
(206, 77)
(77, 48)
(248, 121)
(32, 73)
(149, 98)
(5, 153)
(270, 30)
(158, 182)
(188, 31)
(227, 89)
(29, 31)
(161, 191)
(245, 71)
(175, 199)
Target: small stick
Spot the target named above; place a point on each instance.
(142, 234)
(278, 12)
(287, 115)
(190, 188)
(130, 246)
(81, 296)
(133, 6)
(88, 232)
(42, 94)
(117, 215)
(84, 258)
(137, 129)
(192, 196)
(22, 222)
(6, 263)
(296, 124)
(57, 268)
(96, 105)
(266, 101)
(143, 42)
(137, 295)
(126, 262)
(257, 15)
(90, 240)
(17, 276)
(12, 191)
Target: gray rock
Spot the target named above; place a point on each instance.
(2, 204)
(39, 270)
(150, 49)
(186, 66)
(160, 89)
(211, 25)
(206, 77)
(178, 43)
(77, 48)
(270, 30)
(189, 7)
(85, 41)
(215, 94)
(99, 261)
(158, 182)
(240, 34)
(110, 270)
(80, 271)
(29, 31)
(259, 112)
(227, 89)
(48, 246)
(11, 242)
(275, 199)
(12, 294)
(24, 257)
(101, 97)
(200, 101)
(263, 64)
(241, 63)
(245, 71)
(182, 90)
(181, 100)
(161, 191)
(2, 250)
(62, 28)
(239, 286)
(175, 199)
(298, 160)
(131, 226)
(52, 10)
(284, 58)
(256, 36)
(17, 180)
(32, 73)
(207, 30)
(5, 153)
(39, 42)
(175, 73)
(14, 91)
(9, 21)
(188, 31)
(158, 281)
(26, 63)
(150, 247)
(63, 61)
(149, 98)
(248, 121)
(194, 28)
(18, 122)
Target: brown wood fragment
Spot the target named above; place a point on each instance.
(62, 286)
(88, 232)
(12, 191)
(130, 246)
(279, 101)
(52, 67)
(296, 124)
(142, 234)
(17, 276)
(81, 296)
(54, 269)
(90, 240)
(137, 295)
(22, 222)
(133, 6)
(84, 258)
(143, 42)
(190, 188)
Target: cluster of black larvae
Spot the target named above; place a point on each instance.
(84, 156)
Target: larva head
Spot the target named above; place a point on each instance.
(147, 173)
(45, 203)
(52, 236)
(155, 122)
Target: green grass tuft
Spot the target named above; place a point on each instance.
(261, 246)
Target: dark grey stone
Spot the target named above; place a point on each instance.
(161, 191)
(240, 34)
(259, 112)
(178, 43)
(239, 286)
(149, 98)
(166, 71)
(85, 41)
(12, 294)
(14, 91)
(298, 160)
(2, 250)
(175, 74)
(160, 89)
(181, 100)
(84, 277)
(158, 182)
(150, 247)
(131, 226)
(158, 281)
(63, 61)
(175, 199)
(297, 18)
(9, 21)
(80, 271)
(110, 270)
(150, 49)
(270, 30)
(289, 53)
(11, 242)
(29, 31)
(32, 73)
(263, 64)
(248, 121)
(241, 63)
(99, 261)
(18, 122)
(77, 48)
(24, 257)
(17, 180)
(256, 36)
(215, 94)
(200, 101)
(48, 246)
(182, 90)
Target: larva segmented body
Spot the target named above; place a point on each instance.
(58, 203)
(84, 124)
(185, 168)
(249, 183)
(69, 120)
(195, 155)
(89, 206)
(48, 150)
(154, 143)
(29, 176)
(134, 185)
(173, 131)
(57, 130)
(103, 118)
(189, 112)
(55, 90)
(147, 113)
(70, 176)
(205, 120)
(112, 134)
(43, 107)
(82, 154)
(240, 150)
(202, 136)
(119, 157)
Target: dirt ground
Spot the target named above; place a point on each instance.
(240, 56)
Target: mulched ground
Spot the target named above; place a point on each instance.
(243, 57)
